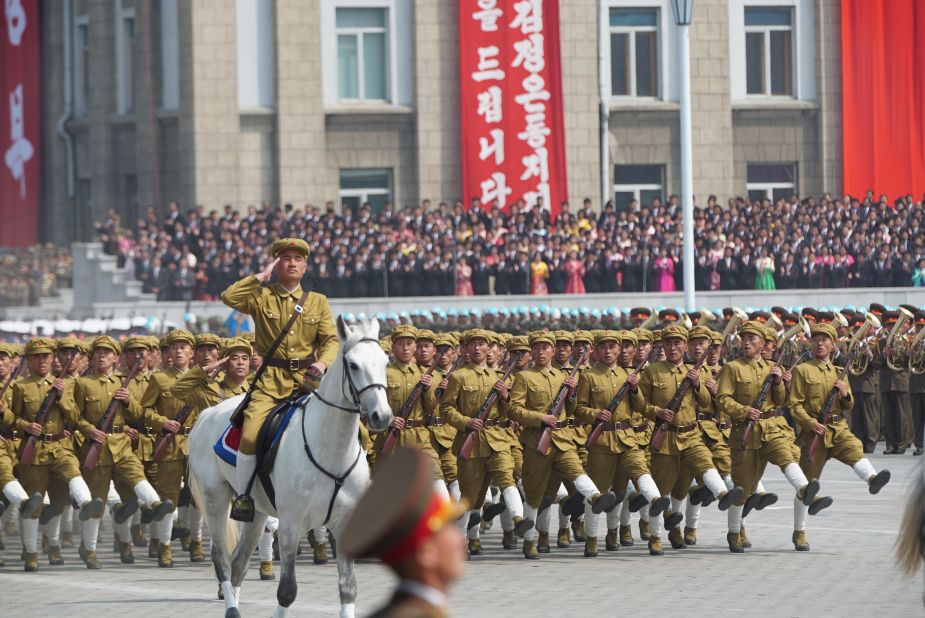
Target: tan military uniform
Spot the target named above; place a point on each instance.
(809, 388)
(161, 405)
(312, 334)
(490, 462)
(531, 394)
(197, 388)
(400, 381)
(771, 439)
(442, 435)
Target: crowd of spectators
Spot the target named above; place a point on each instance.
(27, 274)
(446, 249)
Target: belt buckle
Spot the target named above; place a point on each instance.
(46, 437)
(293, 364)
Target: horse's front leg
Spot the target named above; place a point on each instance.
(240, 561)
(347, 585)
(288, 535)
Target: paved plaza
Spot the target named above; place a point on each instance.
(849, 572)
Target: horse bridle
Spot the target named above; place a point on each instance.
(347, 379)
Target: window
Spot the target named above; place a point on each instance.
(771, 181)
(256, 63)
(170, 56)
(362, 54)
(131, 197)
(637, 182)
(358, 186)
(125, 53)
(81, 66)
(634, 61)
(769, 51)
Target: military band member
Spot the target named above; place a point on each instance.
(771, 437)
(894, 386)
(867, 412)
(532, 393)
(917, 398)
(617, 448)
(812, 382)
(683, 446)
(54, 452)
(490, 462)
(92, 396)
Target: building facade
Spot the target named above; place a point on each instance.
(213, 102)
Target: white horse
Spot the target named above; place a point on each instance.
(910, 544)
(319, 475)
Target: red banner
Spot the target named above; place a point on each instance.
(883, 97)
(512, 132)
(20, 122)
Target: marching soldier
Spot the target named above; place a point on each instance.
(683, 445)
(532, 393)
(429, 348)
(812, 382)
(54, 453)
(771, 437)
(92, 396)
(490, 462)
(616, 456)
(309, 346)
(161, 409)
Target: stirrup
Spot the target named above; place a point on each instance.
(242, 508)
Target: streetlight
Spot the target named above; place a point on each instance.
(683, 13)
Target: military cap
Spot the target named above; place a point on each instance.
(5, 348)
(444, 339)
(399, 511)
(752, 327)
(203, 339)
(700, 332)
(857, 319)
(249, 336)
(583, 336)
(163, 343)
(695, 317)
(759, 316)
(18, 349)
(542, 337)
(136, 342)
(519, 344)
(153, 342)
(643, 334)
(607, 335)
(106, 342)
(890, 317)
(179, 335)
(779, 311)
(492, 337)
(563, 335)
(404, 331)
(668, 316)
(910, 308)
(627, 336)
(770, 334)
(39, 345)
(68, 342)
(716, 337)
(673, 331)
(640, 312)
(476, 333)
(825, 317)
(237, 344)
(728, 312)
(426, 335)
(290, 244)
(790, 319)
(656, 337)
(810, 314)
(824, 329)
(386, 345)
(877, 309)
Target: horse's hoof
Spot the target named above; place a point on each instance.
(232, 612)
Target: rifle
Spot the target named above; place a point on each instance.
(105, 424)
(485, 410)
(658, 438)
(167, 438)
(10, 378)
(765, 389)
(456, 365)
(556, 406)
(27, 454)
(615, 403)
(826, 411)
(388, 445)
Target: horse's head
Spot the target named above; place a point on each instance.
(364, 368)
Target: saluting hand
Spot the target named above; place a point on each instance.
(213, 366)
(267, 272)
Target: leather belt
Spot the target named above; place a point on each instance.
(12, 434)
(563, 424)
(414, 424)
(436, 422)
(184, 431)
(503, 423)
(641, 428)
(834, 418)
(721, 426)
(682, 428)
(292, 364)
(52, 437)
(148, 431)
(764, 416)
(705, 417)
(115, 429)
(611, 426)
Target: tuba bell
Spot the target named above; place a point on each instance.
(731, 336)
(897, 345)
(790, 345)
(917, 353)
(859, 345)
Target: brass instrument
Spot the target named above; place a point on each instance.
(649, 321)
(790, 347)
(840, 320)
(859, 355)
(686, 321)
(917, 353)
(897, 346)
(707, 316)
(731, 335)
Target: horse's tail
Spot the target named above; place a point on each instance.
(909, 543)
(231, 528)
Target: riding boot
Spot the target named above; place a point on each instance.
(242, 508)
